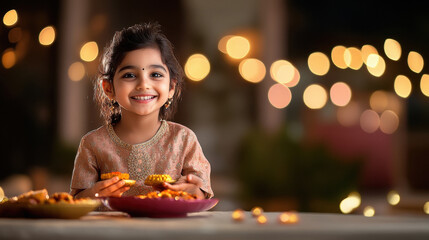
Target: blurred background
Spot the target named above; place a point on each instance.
(316, 106)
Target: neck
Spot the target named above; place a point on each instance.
(137, 129)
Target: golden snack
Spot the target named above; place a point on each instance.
(257, 211)
(177, 195)
(123, 176)
(238, 215)
(158, 179)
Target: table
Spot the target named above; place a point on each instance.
(217, 225)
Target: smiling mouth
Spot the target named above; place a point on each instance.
(143, 98)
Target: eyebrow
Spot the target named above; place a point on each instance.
(135, 67)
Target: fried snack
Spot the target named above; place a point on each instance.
(168, 193)
(158, 179)
(123, 176)
(32, 197)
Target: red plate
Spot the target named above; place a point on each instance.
(158, 207)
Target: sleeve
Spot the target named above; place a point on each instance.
(85, 170)
(196, 163)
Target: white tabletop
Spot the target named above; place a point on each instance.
(217, 225)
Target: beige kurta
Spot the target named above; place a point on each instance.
(173, 150)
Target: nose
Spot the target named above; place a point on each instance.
(142, 82)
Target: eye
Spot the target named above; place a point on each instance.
(129, 75)
(156, 75)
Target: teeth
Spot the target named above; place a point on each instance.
(143, 97)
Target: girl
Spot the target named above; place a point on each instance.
(138, 87)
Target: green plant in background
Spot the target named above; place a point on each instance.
(273, 166)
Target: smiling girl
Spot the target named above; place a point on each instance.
(138, 87)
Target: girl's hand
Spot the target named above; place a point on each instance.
(112, 187)
(191, 185)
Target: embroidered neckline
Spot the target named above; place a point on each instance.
(128, 146)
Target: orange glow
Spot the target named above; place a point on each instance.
(415, 62)
(393, 198)
(262, 219)
(197, 67)
(340, 94)
(424, 84)
(379, 101)
(353, 58)
(237, 47)
(337, 56)
(282, 71)
(222, 43)
(389, 122)
(15, 35)
(366, 51)
(369, 121)
(47, 36)
(392, 48)
(349, 115)
(8, 58)
(402, 86)
(252, 70)
(368, 211)
(238, 215)
(279, 96)
(318, 63)
(10, 18)
(257, 211)
(76, 71)
(379, 69)
(89, 51)
(295, 80)
(315, 96)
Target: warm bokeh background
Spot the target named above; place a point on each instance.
(299, 105)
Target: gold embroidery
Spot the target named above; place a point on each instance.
(140, 164)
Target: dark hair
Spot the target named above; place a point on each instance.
(128, 39)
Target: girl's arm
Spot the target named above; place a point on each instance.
(112, 187)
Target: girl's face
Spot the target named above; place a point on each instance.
(141, 84)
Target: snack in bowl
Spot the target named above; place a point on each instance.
(123, 176)
(38, 204)
(158, 179)
(168, 193)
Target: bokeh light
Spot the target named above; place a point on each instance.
(237, 47)
(424, 84)
(222, 43)
(426, 207)
(351, 202)
(284, 72)
(318, 63)
(15, 35)
(8, 58)
(315, 96)
(366, 51)
(349, 115)
(10, 18)
(76, 71)
(353, 58)
(379, 69)
(393, 198)
(47, 36)
(252, 70)
(402, 86)
(337, 56)
(279, 96)
(89, 51)
(340, 94)
(379, 101)
(415, 62)
(369, 121)
(197, 67)
(369, 211)
(389, 122)
(392, 49)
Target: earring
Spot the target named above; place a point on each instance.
(113, 105)
(168, 103)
